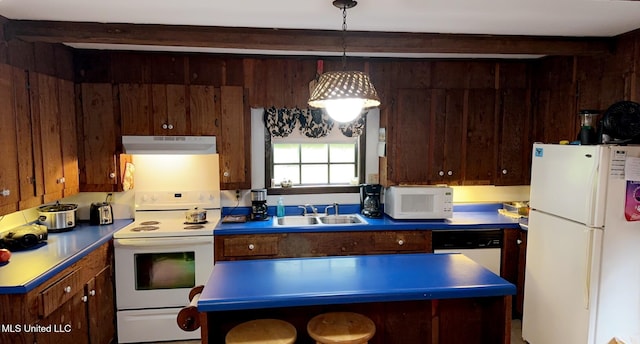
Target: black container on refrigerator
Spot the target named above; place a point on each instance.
(370, 200)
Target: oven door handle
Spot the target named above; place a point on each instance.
(164, 242)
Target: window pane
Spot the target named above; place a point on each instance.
(342, 174)
(288, 172)
(285, 153)
(314, 174)
(343, 152)
(315, 152)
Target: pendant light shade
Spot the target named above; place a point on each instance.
(344, 94)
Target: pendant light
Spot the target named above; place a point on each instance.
(344, 94)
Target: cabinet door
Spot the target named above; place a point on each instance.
(204, 110)
(100, 305)
(29, 149)
(514, 149)
(9, 191)
(68, 323)
(446, 136)
(44, 95)
(480, 158)
(99, 169)
(135, 109)
(408, 138)
(234, 145)
(169, 110)
(68, 137)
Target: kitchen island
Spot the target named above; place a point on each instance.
(412, 298)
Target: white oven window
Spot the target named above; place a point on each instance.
(165, 270)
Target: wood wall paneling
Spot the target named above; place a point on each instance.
(167, 68)
(205, 70)
(130, 67)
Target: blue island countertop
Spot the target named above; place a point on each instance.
(465, 216)
(347, 279)
(30, 268)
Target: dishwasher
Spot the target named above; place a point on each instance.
(484, 246)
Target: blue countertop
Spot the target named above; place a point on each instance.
(271, 283)
(465, 216)
(28, 269)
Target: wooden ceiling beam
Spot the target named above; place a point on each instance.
(300, 40)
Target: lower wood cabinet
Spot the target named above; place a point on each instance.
(75, 306)
(290, 245)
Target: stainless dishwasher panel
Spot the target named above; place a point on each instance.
(482, 246)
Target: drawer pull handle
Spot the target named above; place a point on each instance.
(251, 247)
(84, 299)
(67, 289)
(400, 242)
(92, 292)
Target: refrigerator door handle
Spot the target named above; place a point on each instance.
(593, 191)
(588, 264)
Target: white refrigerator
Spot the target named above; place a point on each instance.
(582, 279)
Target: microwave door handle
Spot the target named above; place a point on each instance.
(156, 242)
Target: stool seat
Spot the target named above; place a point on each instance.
(341, 328)
(263, 331)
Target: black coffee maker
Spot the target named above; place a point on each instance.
(259, 205)
(370, 200)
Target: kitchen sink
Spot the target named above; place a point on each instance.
(323, 220)
(297, 221)
(341, 219)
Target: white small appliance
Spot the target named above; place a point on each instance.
(420, 202)
(582, 278)
(161, 256)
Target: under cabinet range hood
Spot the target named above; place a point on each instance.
(134, 144)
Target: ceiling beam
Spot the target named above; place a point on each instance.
(299, 40)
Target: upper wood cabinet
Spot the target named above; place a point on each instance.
(514, 147)
(68, 137)
(442, 136)
(446, 136)
(234, 143)
(9, 171)
(52, 103)
(99, 159)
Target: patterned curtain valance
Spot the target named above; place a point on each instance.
(313, 123)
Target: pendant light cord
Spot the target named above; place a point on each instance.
(344, 37)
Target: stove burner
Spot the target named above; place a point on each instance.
(149, 223)
(145, 228)
(194, 227)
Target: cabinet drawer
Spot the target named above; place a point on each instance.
(402, 241)
(60, 292)
(251, 246)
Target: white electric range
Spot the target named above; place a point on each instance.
(159, 257)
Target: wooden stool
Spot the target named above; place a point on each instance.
(263, 331)
(341, 328)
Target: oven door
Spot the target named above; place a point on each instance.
(160, 272)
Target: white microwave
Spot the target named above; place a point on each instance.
(418, 202)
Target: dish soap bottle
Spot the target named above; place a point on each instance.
(280, 208)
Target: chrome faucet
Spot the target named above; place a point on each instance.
(304, 210)
(335, 209)
(314, 210)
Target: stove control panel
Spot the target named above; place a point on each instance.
(174, 200)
